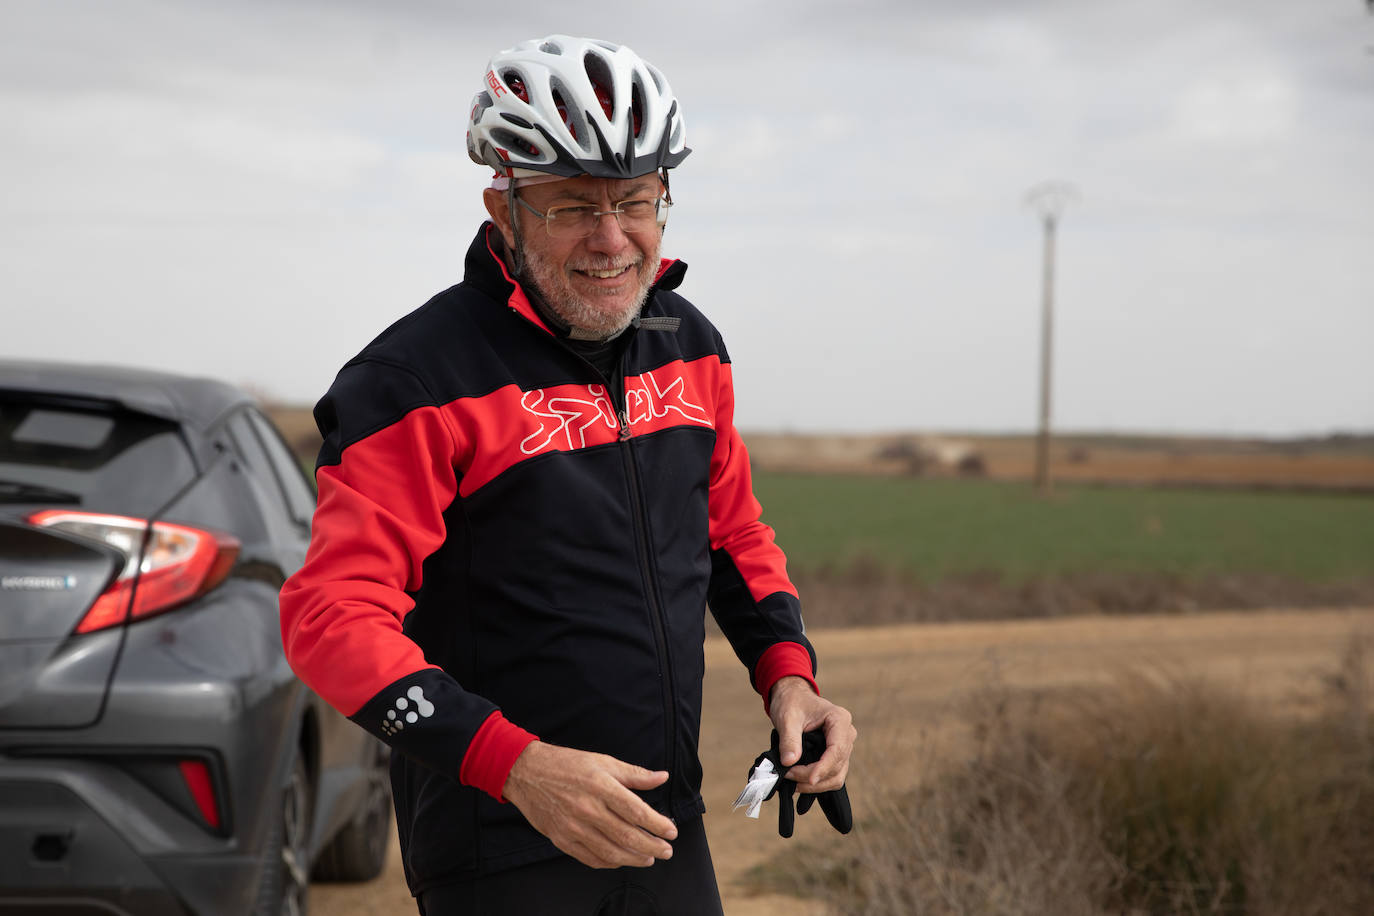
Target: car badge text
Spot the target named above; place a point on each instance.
(37, 583)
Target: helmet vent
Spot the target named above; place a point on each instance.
(602, 80)
(512, 140)
(551, 47)
(573, 116)
(636, 107)
(516, 83)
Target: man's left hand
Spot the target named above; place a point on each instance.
(795, 708)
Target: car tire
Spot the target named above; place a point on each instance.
(285, 885)
(358, 851)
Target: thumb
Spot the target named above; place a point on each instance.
(633, 777)
(789, 741)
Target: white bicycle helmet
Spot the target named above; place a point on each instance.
(575, 106)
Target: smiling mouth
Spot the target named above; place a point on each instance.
(609, 274)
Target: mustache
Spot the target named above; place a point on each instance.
(606, 264)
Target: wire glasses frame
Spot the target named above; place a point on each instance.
(577, 221)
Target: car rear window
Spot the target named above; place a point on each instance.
(104, 459)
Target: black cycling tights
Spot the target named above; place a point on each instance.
(684, 885)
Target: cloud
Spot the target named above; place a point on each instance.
(853, 201)
(138, 155)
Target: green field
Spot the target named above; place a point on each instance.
(931, 529)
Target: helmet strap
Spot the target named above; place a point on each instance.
(517, 254)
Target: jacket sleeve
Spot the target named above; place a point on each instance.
(750, 595)
(386, 474)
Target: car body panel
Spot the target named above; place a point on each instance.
(44, 682)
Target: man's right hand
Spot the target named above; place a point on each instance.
(583, 803)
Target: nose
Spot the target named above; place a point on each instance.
(607, 237)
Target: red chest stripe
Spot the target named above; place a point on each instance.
(671, 396)
(510, 425)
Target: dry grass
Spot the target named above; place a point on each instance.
(867, 594)
(1162, 794)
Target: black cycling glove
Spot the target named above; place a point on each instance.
(835, 803)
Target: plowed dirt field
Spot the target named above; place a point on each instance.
(905, 685)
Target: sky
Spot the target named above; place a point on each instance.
(253, 190)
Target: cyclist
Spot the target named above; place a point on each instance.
(529, 490)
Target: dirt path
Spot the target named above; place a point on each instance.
(904, 682)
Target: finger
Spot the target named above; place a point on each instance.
(599, 852)
(608, 841)
(634, 777)
(633, 809)
(790, 736)
(642, 830)
(627, 832)
(614, 848)
(632, 846)
(632, 824)
(803, 777)
(584, 844)
(825, 774)
(837, 810)
(786, 816)
(830, 770)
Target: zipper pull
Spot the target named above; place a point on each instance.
(625, 431)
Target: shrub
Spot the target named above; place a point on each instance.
(1158, 794)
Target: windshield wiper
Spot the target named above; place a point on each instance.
(17, 491)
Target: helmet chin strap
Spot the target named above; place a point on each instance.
(517, 253)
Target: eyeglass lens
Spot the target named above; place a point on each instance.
(580, 221)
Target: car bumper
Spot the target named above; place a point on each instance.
(60, 853)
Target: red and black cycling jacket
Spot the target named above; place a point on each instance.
(508, 544)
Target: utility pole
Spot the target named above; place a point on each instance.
(1049, 200)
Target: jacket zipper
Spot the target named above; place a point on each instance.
(640, 516)
(667, 687)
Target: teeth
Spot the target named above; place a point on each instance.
(606, 274)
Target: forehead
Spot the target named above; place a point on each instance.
(585, 188)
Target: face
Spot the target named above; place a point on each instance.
(598, 283)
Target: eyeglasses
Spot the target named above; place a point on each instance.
(577, 221)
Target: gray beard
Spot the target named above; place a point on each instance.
(589, 323)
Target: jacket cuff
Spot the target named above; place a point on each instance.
(492, 753)
(780, 660)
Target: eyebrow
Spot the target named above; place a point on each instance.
(585, 198)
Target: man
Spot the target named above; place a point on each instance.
(529, 489)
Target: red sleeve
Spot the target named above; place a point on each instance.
(750, 594)
(784, 659)
(380, 514)
(492, 753)
(734, 514)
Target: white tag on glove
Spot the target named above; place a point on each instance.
(761, 782)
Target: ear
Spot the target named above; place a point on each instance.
(498, 205)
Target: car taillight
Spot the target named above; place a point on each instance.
(177, 563)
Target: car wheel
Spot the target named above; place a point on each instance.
(358, 850)
(286, 874)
